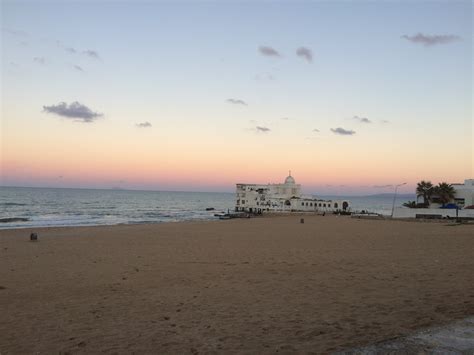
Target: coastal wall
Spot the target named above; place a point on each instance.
(405, 212)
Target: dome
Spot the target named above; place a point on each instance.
(289, 180)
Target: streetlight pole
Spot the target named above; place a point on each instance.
(395, 196)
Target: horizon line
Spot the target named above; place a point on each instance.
(185, 191)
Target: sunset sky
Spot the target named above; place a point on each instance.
(352, 97)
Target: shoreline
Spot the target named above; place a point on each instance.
(243, 285)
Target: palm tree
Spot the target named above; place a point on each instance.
(410, 204)
(445, 192)
(425, 189)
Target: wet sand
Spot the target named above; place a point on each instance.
(261, 285)
(453, 338)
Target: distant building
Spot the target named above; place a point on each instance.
(286, 197)
(464, 195)
(463, 198)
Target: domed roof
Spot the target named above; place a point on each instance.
(289, 179)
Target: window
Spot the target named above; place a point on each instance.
(302, 203)
(335, 205)
(311, 204)
(324, 205)
(329, 205)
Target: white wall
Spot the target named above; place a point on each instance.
(404, 212)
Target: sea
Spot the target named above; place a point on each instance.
(48, 207)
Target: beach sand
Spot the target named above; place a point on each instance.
(260, 285)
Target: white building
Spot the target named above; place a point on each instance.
(284, 197)
(463, 197)
(464, 193)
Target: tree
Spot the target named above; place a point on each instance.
(425, 189)
(445, 192)
(410, 204)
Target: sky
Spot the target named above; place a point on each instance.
(353, 97)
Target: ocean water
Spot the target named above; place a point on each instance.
(81, 207)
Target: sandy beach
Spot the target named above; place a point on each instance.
(260, 285)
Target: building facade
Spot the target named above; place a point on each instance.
(463, 199)
(464, 193)
(285, 197)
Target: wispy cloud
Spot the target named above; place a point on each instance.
(78, 68)
(75, 111)
(39, 60)
(285, 118)
(13, 32)
(262, 129)
(71, 50)
(362, 119)
(431, 40)
(305, 53)
(237, 102)
(385, 121)
(342, 131)
(268, 51)
(264, 77)
(68, 49)
(382, 186)
(315, 130)
(92, 54)
(144, 124)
